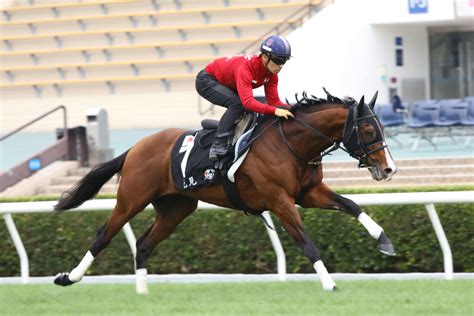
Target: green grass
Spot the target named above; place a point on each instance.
(426, 297)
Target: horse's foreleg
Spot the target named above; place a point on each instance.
(120, 215)
(170, 211)
(321, 196)
(291, 220)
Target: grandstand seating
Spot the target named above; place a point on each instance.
(452, 112)
(423, 114)
(92, 41)
(16, 8)
(388, 117)
(137, 16)
(469, 118)
(429, 119)
(111, 53)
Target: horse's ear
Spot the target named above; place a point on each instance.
(360, 107)
(374, 98)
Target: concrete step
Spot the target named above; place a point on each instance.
(401, 164)
(430, 180)
(79, 172)
(59, 189)
(341, 173)
(411, 172)
(71, 180)
(402, 171)
(436, 162)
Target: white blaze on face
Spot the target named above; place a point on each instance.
(390, 162)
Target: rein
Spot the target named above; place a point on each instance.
(263, 130)
(315, 160)
(353, 145)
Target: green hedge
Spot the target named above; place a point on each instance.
(218, 241)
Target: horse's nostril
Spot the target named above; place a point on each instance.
(387, 171)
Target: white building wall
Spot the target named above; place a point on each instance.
(397, 11)
(340, 50)
(349, 47)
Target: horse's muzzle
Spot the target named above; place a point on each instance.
(378, 173)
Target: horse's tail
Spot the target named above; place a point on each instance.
(90, 185)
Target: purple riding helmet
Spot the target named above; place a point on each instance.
(277, 47)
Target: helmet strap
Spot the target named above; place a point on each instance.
(267, 62)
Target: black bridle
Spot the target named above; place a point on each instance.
(353, 145)
(356, 148)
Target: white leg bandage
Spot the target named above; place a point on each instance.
(326, 280)
(141, 281)
(372, 227)
(78, 272)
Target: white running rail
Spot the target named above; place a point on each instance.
(429, 199)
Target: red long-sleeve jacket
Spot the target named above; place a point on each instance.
(243, 74)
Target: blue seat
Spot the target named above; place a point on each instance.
(423, 114)
(387, 117)
(469, 118)
(451, 112)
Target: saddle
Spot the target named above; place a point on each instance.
(190, 164)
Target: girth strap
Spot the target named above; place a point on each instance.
(233, 195)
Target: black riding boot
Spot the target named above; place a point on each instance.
(220, 144)
(219, 147)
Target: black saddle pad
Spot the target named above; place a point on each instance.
(190, 164)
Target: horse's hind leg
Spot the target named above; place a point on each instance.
(170, 211)
(322, 196)
(127, 206)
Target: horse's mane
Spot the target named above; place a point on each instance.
(308, 101)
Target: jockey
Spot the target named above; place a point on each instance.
(229, 82)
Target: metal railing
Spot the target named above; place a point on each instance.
(47, 156)
(429, 199)
(71, 144)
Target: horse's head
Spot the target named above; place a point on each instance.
(364, 140)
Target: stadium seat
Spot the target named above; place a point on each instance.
(387, 117)
(469, 118)
(423, 114)
(54, 48)
(98, 80)
(103, 65)
(131, 31)
(59, 5)
(451, 112)
(211, 44)
(269, 10)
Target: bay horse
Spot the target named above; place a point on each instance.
(283, 168)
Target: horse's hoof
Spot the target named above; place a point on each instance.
(63, 279)
(387, 249)
(330, 288)
(385, 245)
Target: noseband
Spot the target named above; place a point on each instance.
(354, 146)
